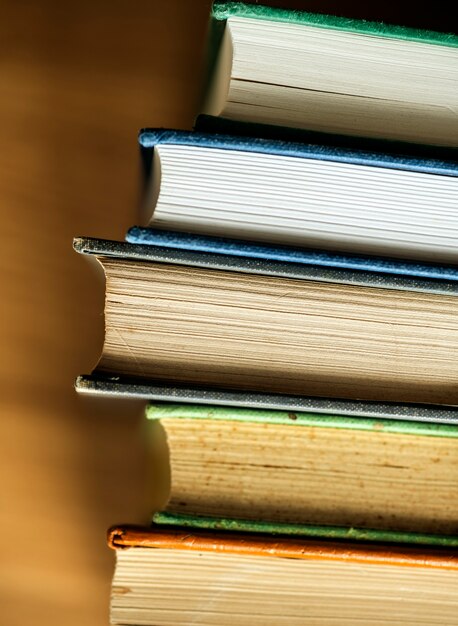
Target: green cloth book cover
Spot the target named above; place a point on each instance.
(224, 10)
(208, 412)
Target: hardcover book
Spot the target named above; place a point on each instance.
(308, 469)
(332, 74)
(308, 195)
(167, 577)
(223, 322)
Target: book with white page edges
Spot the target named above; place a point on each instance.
(333, 74)
(304, 195)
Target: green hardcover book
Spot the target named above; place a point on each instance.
(311, 475)
(332, 74)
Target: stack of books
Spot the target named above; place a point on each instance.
(290, 314)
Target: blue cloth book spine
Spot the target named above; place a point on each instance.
(219, 245)
(149, 138)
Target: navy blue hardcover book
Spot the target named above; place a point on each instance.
(149, 138)
(300, 202)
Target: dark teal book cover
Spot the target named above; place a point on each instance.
(224, 10)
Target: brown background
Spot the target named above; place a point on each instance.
(77, 80)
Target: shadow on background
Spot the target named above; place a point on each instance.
(76, 83)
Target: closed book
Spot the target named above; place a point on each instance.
(312, 470)
(234, 323)
(168, 577)
(332, 74)
(309, 195)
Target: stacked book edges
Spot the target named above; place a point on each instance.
(287, 308)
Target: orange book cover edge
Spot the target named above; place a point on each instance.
(120, 537)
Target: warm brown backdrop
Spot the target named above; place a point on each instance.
(77, 80)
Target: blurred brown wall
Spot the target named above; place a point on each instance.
(77, 81)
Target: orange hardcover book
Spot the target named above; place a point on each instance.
(173, 576)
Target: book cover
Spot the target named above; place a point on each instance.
(236, 247)
(117, 386)
(285, 269)
(202, 523)
(120, 537)
(223, 10)
(157, 411)
(150, 137)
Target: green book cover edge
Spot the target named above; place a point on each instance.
(164, 518)
(157, 411)
(224, 10)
